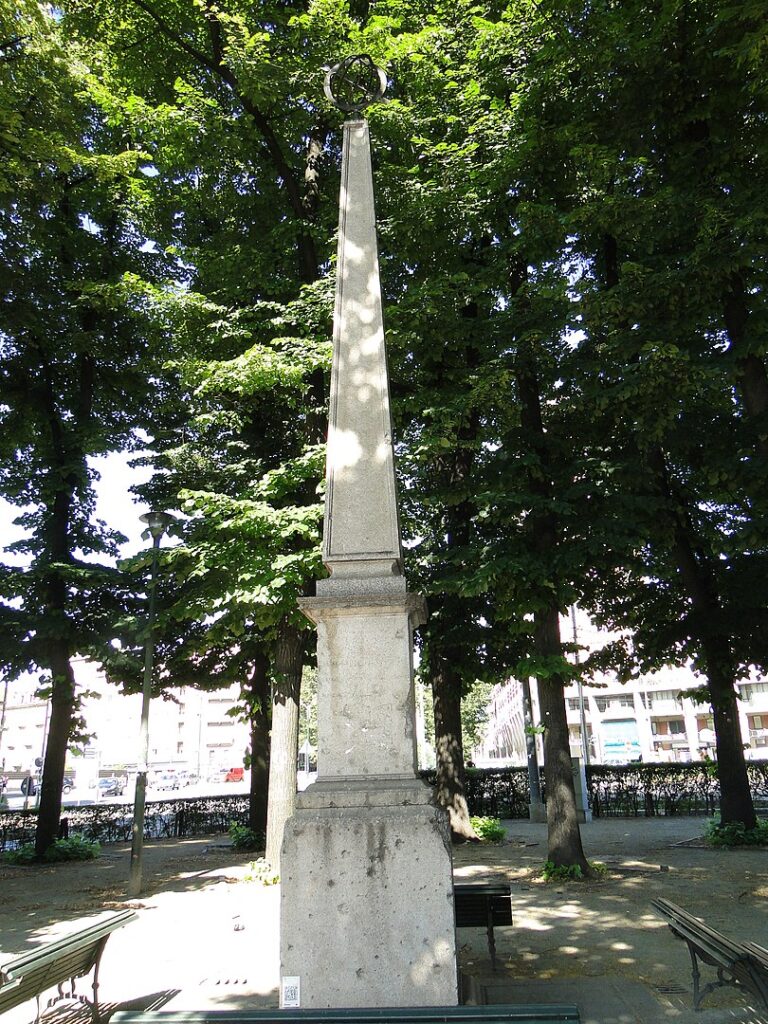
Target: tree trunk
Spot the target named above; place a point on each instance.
(707, 627)
(449, 788)
(259, 704)
(564, 847)
(563, 834)
(62, 712)
(288, 661)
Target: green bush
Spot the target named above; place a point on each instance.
(571, 872)
(23, 855)
(735, 834)
(74, 848)
(244, 838)
(489, 830)
(260, 871)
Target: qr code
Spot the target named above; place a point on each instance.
(291, 992)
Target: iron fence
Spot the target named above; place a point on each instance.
(632, 790)
(112, 823)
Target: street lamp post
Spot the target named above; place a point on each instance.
(157, 524)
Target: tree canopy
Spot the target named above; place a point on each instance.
(571, 204)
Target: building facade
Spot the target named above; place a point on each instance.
(190, 730)
(653, 718)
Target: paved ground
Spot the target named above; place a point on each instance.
(206, 937)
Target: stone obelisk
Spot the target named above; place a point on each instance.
(366, 874)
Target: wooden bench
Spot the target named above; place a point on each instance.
(742, 964)
(29, 975)
(483, 905)
(522, 1014)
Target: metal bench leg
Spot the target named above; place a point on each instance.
(697, 996)
(491, 938)
(96, 1014)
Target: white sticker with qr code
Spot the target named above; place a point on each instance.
(291, 992)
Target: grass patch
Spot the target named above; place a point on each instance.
(262, 872)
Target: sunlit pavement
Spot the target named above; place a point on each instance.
(206, 938)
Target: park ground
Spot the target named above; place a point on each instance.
(207, 937)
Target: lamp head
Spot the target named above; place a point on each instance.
(157, 522)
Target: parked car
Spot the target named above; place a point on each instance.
(110, 787)
(166, 780)
(28, 786)
(187, 778)
(234, 775)
(69, 784)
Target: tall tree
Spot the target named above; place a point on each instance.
(669, 164)
(71, 358)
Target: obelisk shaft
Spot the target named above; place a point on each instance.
(361, 535)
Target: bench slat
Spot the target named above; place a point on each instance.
(518, 1014)
(745, 964)
(65, 959)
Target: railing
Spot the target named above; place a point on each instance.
(111, 823)
(633, 790)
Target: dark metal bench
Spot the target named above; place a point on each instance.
(483, 905)
(29, 975)
(741, 964)
(533, 1014)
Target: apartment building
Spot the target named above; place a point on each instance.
(190, 729)
(651, 718)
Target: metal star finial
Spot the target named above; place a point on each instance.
(354, 83)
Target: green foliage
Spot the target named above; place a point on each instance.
(59, 851)
(23, 855)
(572, 872)
(245, 839)
(735, 834)
(262, 872)
(489, 830)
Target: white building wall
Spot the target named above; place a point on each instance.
(653, 714)
(190, 730)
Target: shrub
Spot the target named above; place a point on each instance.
(74, 848)
(244, 838)
(735, 834)
(62, 850)
(22, 855)
(571, 872)
(489, 830)
(260, 871)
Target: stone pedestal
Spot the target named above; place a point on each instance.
(367, 897)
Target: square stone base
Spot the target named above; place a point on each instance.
(367, 902)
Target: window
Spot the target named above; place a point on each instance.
(664, 697)
(677, 727)
(751, 690)
(614, 701)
